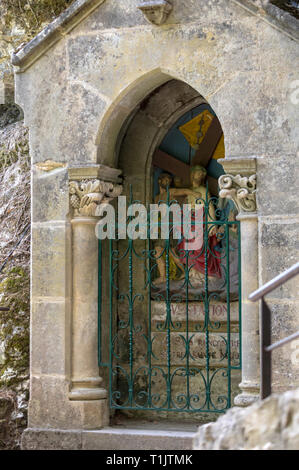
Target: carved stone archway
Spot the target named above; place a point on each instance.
(140, 136)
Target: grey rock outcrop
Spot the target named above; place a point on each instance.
(272, 424)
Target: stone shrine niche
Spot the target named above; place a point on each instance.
(169, 151)
(186, 171)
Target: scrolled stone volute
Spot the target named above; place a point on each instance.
(240, 189)
(155, 11)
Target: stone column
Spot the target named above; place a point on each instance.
(85, 197)
(239, 185)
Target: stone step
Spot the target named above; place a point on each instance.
(136, 436)
(137, 439)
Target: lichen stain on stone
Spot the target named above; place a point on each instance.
(210, 36)
(49, 165)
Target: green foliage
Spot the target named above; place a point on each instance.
(19, 153)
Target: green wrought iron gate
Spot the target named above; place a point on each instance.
(174, 343)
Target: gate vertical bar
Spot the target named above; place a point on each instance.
(168, 310)
(206, 298)
(240, 293)
(187, 331)
(228, 317)
(110, 320)
(168, 314)
(149, 342)
(131, 320)
(100, 303)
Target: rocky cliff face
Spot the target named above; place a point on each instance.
(272, 424)
(14, 281)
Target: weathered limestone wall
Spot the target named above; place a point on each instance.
(215, 49)
(278, 250)
(90, 81)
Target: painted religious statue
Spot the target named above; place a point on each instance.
(197, 260)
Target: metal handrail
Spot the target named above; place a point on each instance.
(274, 283)
(266, 347)
(283, 341)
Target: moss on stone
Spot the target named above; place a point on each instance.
(18, 152)
(14, 325)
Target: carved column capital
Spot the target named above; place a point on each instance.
(87, 195)
(240, 189)
(91, 186)
(155, 11)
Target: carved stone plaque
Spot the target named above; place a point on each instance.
(197, 346)
(218, 312)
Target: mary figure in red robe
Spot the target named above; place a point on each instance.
(204, 256)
